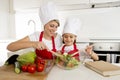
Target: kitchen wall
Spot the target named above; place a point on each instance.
(4, 18)
(97, 23)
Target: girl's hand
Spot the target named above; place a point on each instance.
(89, 49)
(39, 45)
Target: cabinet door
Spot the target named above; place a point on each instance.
(26, 4)
(102, 1)
(66, 2)
(20, 4)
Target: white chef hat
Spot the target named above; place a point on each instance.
(72, 25)
(48, 12)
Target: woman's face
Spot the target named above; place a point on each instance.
(50, 28)
(69, 39)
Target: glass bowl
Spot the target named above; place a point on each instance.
(67, 62)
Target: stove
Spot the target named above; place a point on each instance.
(107, 51)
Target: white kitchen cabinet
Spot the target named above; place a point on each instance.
(26, 4)
(102, 1)
(68, 2)
(32, 4)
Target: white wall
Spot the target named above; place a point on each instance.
(99, 23)
(4, 18)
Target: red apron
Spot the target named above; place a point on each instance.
(72, 51)
(44, 54)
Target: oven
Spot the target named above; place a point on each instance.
(117, 56)
(107, 51)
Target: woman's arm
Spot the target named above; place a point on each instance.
(25, 43)
(20, 44)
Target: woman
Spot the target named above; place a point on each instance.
(44, 40)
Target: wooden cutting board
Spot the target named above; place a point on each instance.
(7, 73)
(103, 68)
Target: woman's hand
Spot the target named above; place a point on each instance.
(39, 45)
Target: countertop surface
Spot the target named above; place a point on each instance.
(7, 73)
(80, 73)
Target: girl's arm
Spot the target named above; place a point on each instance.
(89, 51)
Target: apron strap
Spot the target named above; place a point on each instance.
(75, 47)
(63, 48)
(41, 36)
(53, 42)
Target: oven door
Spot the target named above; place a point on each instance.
(117, 58)
(105, 57)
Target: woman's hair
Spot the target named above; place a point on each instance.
(57, 21)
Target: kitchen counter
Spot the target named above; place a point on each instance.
(7, 73)
(80, 73)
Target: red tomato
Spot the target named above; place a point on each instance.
(31, 68)
(24, 68)
(40, 67)
(39, 61)
(42, 62)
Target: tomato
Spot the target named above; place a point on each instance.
(31, 68)
(24, 68)
(42, 62)
(39, 61)
(40, 67)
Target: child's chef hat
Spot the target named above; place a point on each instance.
(48, 12)
(72, 25)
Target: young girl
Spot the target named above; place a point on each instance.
(71, 27)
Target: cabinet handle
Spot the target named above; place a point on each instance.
(111, 47)
(100, 47)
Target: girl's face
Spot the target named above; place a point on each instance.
(50, 28)
(69, 39)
